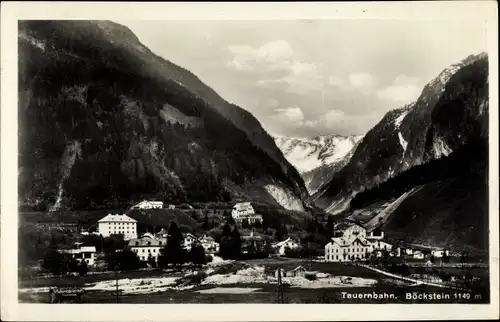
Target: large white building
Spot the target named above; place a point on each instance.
(244, 211)
(148, 204)
(118, 224)
(355, 244)
(146, 246)
(81, 253)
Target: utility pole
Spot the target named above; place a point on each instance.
(116, 276)
(280, 287)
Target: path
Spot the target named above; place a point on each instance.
(417, 282)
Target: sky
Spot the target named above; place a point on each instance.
(304, 78)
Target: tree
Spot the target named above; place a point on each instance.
(173, 253)
(113, 243)
(71, 264)
(123, 260)
(54, 262)
(281, 233)
(151, 261)
(329, 227)
(83, 268)
(235, 244)
(197, 255)
(205, 222)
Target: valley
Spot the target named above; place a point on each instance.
(135, 175)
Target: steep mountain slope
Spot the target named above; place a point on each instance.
(317, 158)
(421, 173)
(103, 122)
(443, 202)
(451, 111)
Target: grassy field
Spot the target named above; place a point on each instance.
(268, 294)
(62, 281)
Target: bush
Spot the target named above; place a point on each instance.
(311, 277)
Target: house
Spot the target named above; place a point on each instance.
(418, 255)
(209, 244)
(356, 243)
(146, 246)
(381, 245)
(283, 245)
(299, 271)
(190, 240)
(81, 253)
(439, 253)
(148, 204)
(162, 233)
(244, 211)
(352, 245)
(118, 224)
(252, 241)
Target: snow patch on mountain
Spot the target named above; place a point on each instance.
(307, 154)
(284, 197)
(404, 111)
(35, 42)
(440, 148)
(403, 142)
(72, 151)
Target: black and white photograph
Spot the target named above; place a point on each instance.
(253, 161)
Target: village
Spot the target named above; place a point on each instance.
(115, 245)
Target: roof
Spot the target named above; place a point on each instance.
(88, 249)
(298, 268)
(143, 242)
(207, 239)
(281, 243)
(243, 204)
(341, 241)
(151, 201)
(117, 218)
(362, 241)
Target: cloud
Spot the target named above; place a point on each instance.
(289, 115)
(360, 80)
(277, 65)
(272, 55)
(404, 89)
(355, 81)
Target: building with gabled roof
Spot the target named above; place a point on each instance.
(281, 246)
(116, 224)
(146, 247)
(148, 204)
(355, 244)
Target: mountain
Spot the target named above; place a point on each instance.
(422, 170)
(104, 122)
(319, 157)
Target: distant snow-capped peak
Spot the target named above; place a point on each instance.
(306, 154)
